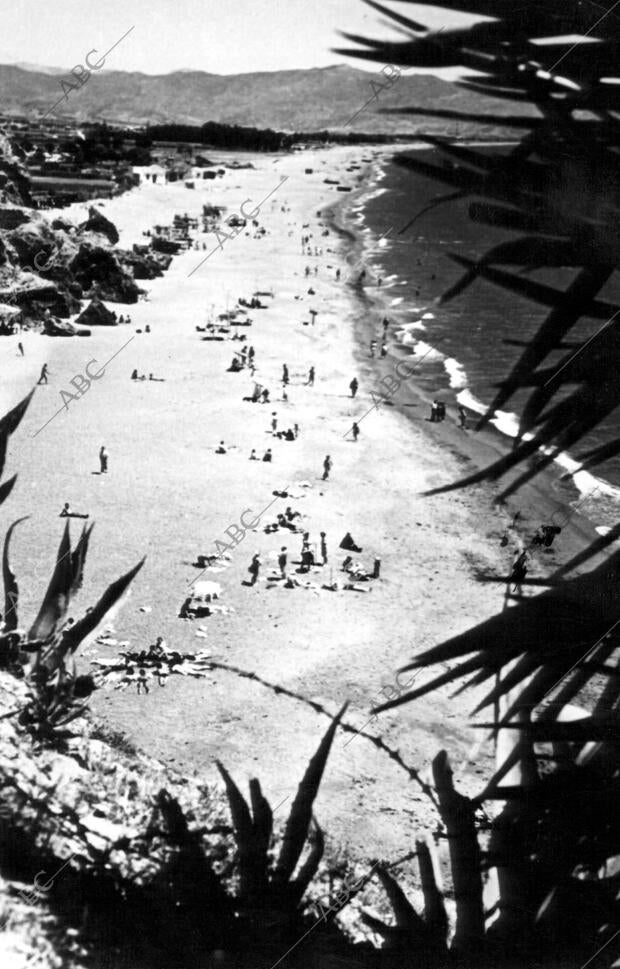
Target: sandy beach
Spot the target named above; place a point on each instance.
(171, 497)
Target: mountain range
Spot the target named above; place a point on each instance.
(298, 100)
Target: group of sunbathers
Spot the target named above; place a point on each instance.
(158, 659)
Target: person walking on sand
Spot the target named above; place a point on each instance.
(323, 548)
(285, 377)
(44, 372)
(327, 466)
(519, 571)
(103, 460)
(274, 422)
(20, 348)
(282, 561)
(310, 380)
(254, 568)
(353, 387)
(355, 431)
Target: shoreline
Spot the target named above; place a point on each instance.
(543, 496)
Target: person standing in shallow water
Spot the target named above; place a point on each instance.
(103, 460)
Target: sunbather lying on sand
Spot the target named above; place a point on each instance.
(67, 513)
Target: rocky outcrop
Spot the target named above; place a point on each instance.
(98, 223)
(97, 314)
(14, 184)
(12, 216)
(145, 265)
(94, 265)
(53, 265)
(33, 244)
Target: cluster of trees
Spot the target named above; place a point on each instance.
(222, 136)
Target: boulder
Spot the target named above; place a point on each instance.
(11, 217)
(56, 327)
(62, 224)
(95, 266)
(33, 240)
(58, 302)
(97, 222)
(146, 264)
(97, 314)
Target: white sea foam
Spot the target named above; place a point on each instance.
(456, 372)
(600, 498)
(427, 351)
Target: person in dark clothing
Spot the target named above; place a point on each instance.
(103, 460)
(285, 377)
(267, 455)
(310, 380)
(254, 568)
(546, 535)
(353, 387)
(307, 557)
(323, 548)
(327, 466)
(519, 572)
(282, 561)
(348, 544)
(355, 431)
(44, 372)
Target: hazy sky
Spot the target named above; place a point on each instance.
(218, 36)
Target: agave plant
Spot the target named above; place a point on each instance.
(270, 890)
(44, 653)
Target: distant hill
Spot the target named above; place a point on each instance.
(304, 100)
